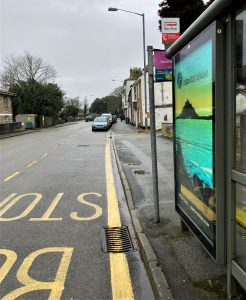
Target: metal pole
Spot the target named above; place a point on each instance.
(162, 94)
(153, 135)
(145, 87)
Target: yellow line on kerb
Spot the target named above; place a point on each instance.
(120, 276)
(11, 176)
(31, 164)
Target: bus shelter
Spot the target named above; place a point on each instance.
(209, 67)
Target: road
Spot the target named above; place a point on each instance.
(58, 189)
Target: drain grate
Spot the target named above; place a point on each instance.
(139, 172)
(83, 145)
(116, 239)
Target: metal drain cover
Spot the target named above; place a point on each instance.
(116, 239)
(139, 172)
(83, 145)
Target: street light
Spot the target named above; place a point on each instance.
(144, 55)
(118, 80)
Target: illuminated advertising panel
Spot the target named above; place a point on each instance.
(163, 66)
(163, 75)
(194, 137)
(161, 62)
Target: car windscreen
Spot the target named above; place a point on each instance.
(100, 119)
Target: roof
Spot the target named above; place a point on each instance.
(215, 10)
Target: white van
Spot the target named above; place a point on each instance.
(108, 115)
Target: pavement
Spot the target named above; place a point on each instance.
(177, 264)
(28, 131)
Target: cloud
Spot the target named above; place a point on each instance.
(87, 45)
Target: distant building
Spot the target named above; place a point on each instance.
(6, 111)
(135, 104)
(125, 97)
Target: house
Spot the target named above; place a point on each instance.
(163, 103)
(139, 100)
(125, 106)
(6, 111)
(164, 107)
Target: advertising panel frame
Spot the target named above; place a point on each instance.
(216, 249)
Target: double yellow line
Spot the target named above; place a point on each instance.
(120, 276)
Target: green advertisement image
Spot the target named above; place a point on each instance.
(163, 75)
(194, 134)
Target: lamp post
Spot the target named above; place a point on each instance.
(144, 55)
(118, 80)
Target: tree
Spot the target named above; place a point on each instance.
(208, 3)
(135, 73)
(109, 104)
(71, 108)
(36, 98)
(85, 107)
(117, 92)
(26, 68)
(187, 10)
(99, 106)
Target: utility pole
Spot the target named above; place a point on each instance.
(153, 134)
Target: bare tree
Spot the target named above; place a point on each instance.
(18, 69)
(118, 91)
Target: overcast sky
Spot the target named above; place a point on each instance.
(87, 45)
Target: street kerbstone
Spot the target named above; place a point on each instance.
(135, 221)
(161, 290)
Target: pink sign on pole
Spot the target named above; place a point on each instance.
(161, 62)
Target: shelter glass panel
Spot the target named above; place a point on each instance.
(240, 63)
(241, 225)
(240, 133)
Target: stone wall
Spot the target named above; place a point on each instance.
(167, 130)
(5, 109)
(11, 127)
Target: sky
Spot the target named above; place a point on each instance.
(87, 45)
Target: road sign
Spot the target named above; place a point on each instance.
(170, 28)
(170, 37)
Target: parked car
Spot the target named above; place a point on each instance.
(109, 116)
(100, 123)
(88, 118)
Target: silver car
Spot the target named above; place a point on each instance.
(100, 123)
